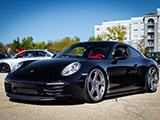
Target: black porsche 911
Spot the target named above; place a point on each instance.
(87, 71)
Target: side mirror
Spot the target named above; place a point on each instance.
(121, 56)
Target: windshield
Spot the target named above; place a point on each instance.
(82, 50)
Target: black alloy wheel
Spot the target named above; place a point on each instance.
(152, 79)
(95, 86)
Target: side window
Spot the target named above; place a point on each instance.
(39, 54)
(120, 49)
(25, 55)
(134, 53)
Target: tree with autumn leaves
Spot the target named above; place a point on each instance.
(116, 33)
(60, 45)
(27, 43)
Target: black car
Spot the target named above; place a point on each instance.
(85, 71)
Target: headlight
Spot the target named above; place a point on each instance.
(17, 66)
(71, 69)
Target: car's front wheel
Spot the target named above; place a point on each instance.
(152, 79)
(95, 86)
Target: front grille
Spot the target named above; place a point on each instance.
(53, 89)
(25, 91)
(35, 89)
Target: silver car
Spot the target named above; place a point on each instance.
(7, 64)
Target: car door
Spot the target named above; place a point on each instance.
(122, 71)
(136, 59)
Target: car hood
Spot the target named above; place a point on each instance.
(40, 71)
(5, 59)
(46, 67)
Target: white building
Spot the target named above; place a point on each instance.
(136, 29)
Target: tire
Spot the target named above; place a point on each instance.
(95, 86)
(152, 79)
(5, 68)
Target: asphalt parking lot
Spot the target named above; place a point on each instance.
(142, 106)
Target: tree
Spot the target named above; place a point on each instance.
(2, 48)
(60, 45)
(115, 33)
(140, 46)
(27, 43)
(98, 38)
(42, 45)
(77, 39)
(16, 43)
(50, 46)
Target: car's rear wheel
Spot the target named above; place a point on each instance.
(152, 79)
(95, 86)
(5, 68)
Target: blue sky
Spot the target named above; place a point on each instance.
(46, 20)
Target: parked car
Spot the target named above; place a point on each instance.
(7, 64)
(86, 71)
(154, 56)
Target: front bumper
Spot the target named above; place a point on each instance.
(43, 92)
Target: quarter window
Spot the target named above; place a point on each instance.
(134, 53)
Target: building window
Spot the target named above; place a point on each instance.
(98, 29)
(142, 29)
(150, 35)
(151, 29)
(108, 28)
(135, 35)
(150, 21)
(125, 27)
(151, 49)
(135, 22)
(150, 42)
(142, 35)
(135, 29)
(142, 22)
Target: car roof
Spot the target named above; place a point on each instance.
(115, 43)
(103, 42)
